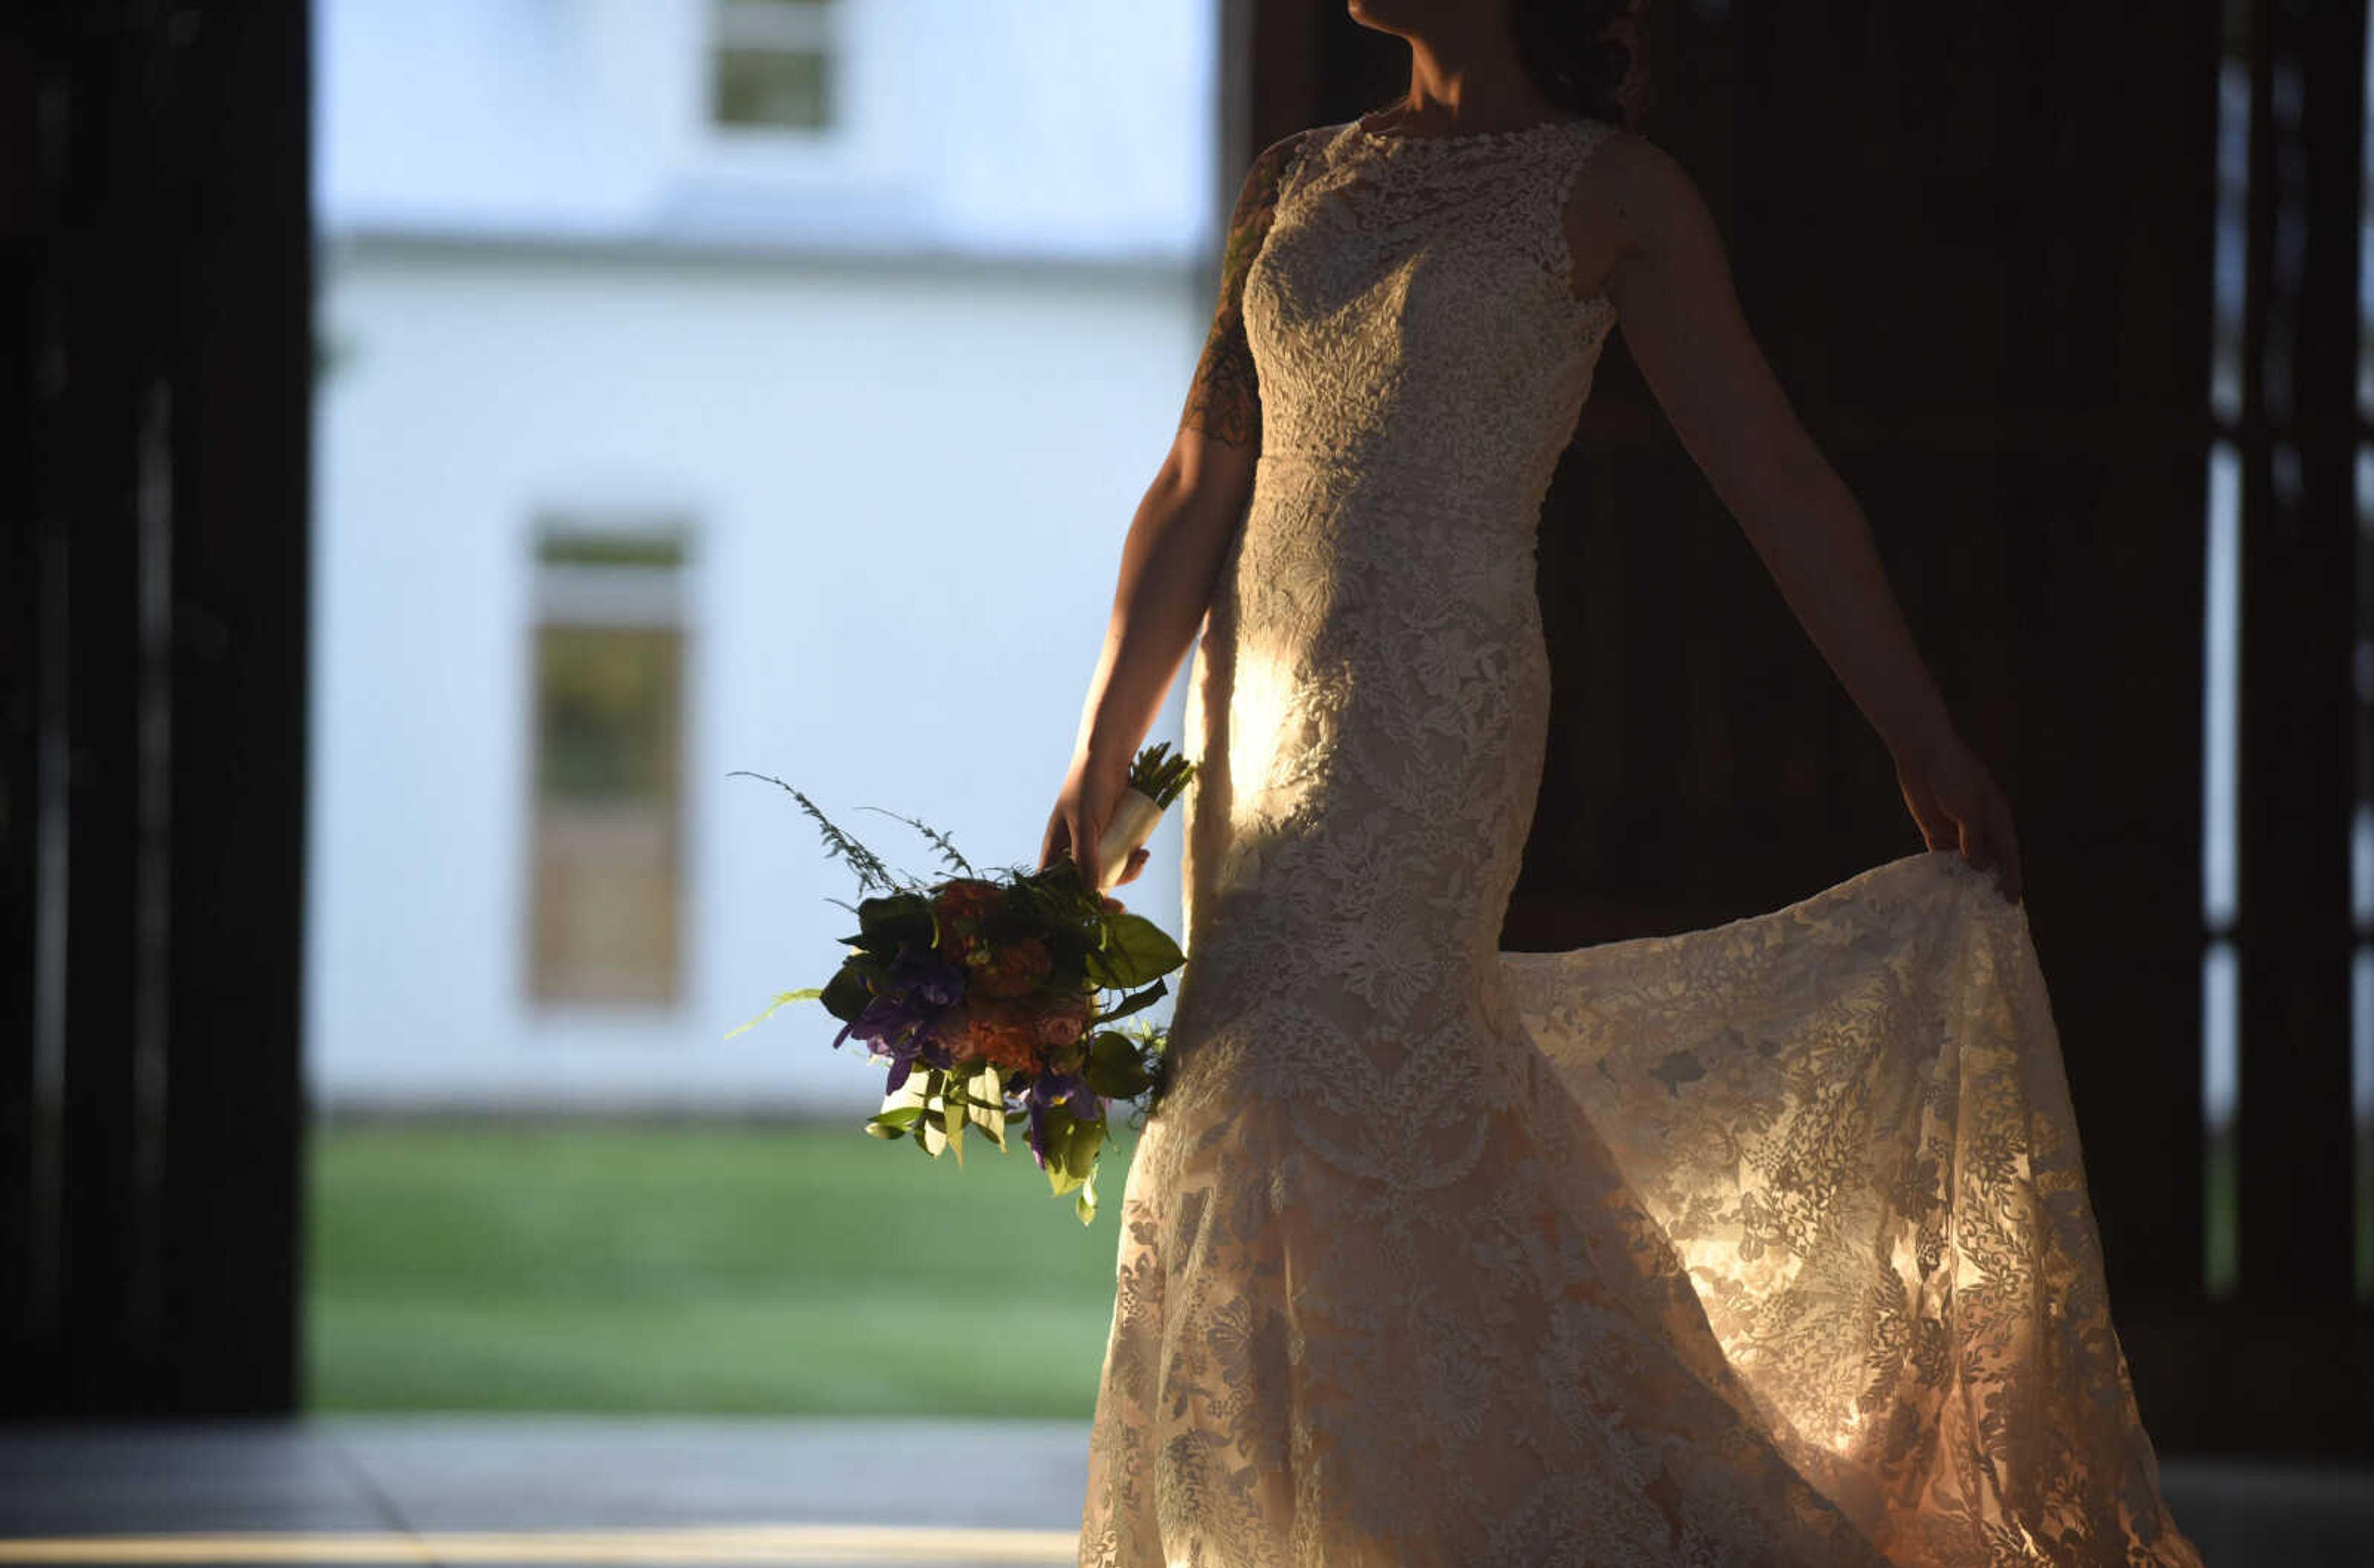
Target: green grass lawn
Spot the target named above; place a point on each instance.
(729, 1268)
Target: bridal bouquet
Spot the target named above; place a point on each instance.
(993, 997)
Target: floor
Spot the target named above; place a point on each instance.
(478, 1489)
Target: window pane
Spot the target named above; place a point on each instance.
(607, 713)
(786, 87)
(605, 905)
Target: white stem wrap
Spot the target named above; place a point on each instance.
(1132, 824)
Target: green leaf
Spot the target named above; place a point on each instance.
(1115, 1068)
(905, 1103)
(1061, 1129)
(898, 1119)
(1135, 1000)
(1135, 951)
(985, 1106)
(883, 1130)
(930, 1127)
(809, 995)
(888, 921)
(1071, 1150)
(1085, 1205)
(846, 994)
(953, 1118)
(1080, 1153)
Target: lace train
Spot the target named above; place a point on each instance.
(1850, 1120)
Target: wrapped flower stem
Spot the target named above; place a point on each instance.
(1133, 819)
(1155, 778)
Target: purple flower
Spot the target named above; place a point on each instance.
(1066, 1088)
(898, 1022)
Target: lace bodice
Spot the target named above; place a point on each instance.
(1372, 682)
(1412, 309)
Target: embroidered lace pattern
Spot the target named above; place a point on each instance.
(1767, 1243)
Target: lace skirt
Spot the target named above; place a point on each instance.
(1777, 1252)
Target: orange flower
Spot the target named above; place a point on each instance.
(961, 904)
(1005, 1034)
(968, 897)
(1013, 969)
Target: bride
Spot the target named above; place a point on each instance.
(1764, 1244)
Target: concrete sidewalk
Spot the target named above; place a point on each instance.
(821, 1490)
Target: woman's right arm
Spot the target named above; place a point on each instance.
(1170, 560)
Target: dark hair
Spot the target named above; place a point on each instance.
(1583, 55)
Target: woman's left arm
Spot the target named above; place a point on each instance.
(1671, 286)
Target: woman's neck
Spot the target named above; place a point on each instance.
(1470, 83)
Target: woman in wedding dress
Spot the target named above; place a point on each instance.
(1765, 1243)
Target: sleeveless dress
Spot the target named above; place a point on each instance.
(1764, 1244)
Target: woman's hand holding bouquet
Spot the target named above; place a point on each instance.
(1113, 815)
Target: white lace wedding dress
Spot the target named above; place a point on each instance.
(1762, 1243)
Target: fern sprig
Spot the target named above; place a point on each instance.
(872, 871)
(949, 851)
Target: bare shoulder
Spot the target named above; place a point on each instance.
(1630, 197)
(1632, 183)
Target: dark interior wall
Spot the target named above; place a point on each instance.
(2296, 436)
(155, 244)
(1976, 243)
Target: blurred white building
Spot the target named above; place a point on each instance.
(713, 384)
